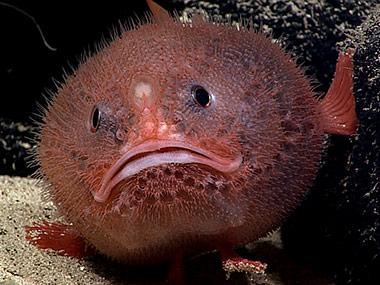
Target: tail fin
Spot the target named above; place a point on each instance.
(338, 106)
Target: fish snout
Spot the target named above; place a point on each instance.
(144, 94)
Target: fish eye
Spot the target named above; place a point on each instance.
(201, 96)
(94, 119)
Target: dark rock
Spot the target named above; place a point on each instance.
(15, 148)
(338, 226)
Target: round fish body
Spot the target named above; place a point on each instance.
(180, 138)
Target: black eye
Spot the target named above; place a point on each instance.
(94, 119)
(201, 96)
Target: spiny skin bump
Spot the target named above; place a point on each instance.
(262, 125)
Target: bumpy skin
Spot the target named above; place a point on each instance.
(263, 109)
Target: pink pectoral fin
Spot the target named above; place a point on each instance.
(232, 262)
(338, 106)
(60, 238)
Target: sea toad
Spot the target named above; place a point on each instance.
(179, 138)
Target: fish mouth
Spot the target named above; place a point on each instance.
(155, 152)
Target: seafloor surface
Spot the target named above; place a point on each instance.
(22, 263)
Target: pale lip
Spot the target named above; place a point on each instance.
(178, 153)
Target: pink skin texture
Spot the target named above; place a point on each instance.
(178, 138)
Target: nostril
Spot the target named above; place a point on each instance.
(120, 135)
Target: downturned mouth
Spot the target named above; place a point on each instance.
(156, 152)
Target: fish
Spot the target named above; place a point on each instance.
(181, 137)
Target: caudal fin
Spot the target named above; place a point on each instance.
(338, 106)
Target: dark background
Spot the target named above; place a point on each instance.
(27, 66)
